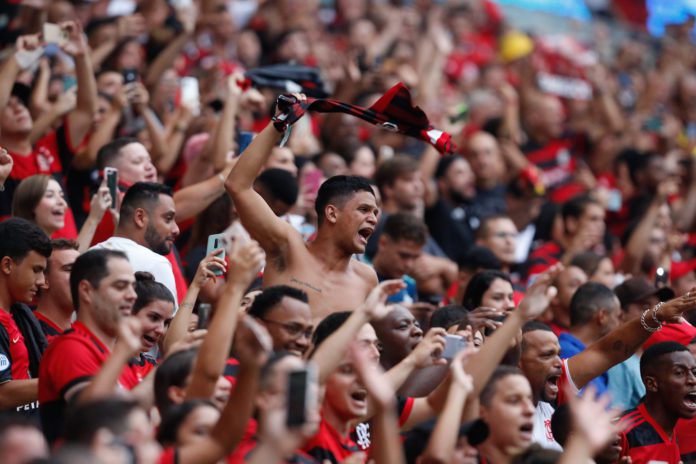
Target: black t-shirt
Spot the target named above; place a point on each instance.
(451, 227)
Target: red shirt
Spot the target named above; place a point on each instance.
(71, 359)
(686, 438)
(14, 359)
(49, 156)
(49, 328)
(328, 444)
(544, 257)
(142, 366)
(361, 433)
(644, 440)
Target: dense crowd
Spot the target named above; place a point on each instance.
(197, 265)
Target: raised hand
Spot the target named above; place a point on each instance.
(246, 261)
(459, 375)
(206, 268)
(289, 110)
(371, 375)
(6, 164)
(253, 343)
(138, 96)
(540, 293)
(592, 420)
(672, 310)
(375, 305)
(429, 349)
(129, 339)
(75, 43)
(101, 201)
(484, 318)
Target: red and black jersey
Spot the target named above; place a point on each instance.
(544, 257)
(14, 356)
(558, 161)
(361, 432)
(643, 440)
(71, 359)
(686, 438)
(51, 155)
(48, 327)
(142, 365)
(328, 445)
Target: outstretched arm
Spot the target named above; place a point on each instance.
(619, 344)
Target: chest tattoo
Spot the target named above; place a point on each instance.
(305, 284)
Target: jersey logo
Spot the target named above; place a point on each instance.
(549, 434)
(4, 362)
(362, 430)
(16, 339)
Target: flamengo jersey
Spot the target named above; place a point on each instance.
(541, 433)
(71, 359)
(645, 441)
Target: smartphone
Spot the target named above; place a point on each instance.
(217, 242)
(204, 310)
(453, 345)
(54, 34)
(130, 76)
(661, 277)
(244, 138)
(301, 396)
(111, 175)
(190, 95)
(69, 82)
(499, 318)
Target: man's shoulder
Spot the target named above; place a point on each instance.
(132, 249)
(365, 272)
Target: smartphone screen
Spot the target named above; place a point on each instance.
(453, 345)
(111, 175)
(130, 76)
(53, 34)
(204, 310)
(298, 384)
(217, 242)
(190, 95)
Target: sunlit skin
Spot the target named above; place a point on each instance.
(155, 318)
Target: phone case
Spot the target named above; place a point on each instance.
(217, 242)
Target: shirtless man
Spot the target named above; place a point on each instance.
(347, 212)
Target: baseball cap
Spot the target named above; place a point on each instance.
(679, 269)
(638, 288)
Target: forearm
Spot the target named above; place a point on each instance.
(222, 141)
(144, 392)
(43, 124)
(575, 451)
(8, 74)
(216, 344)
(687, 214)
(161, 157)
(248, 167)
(484, 362)
(102, 135)
(387, 447)
(165, 59)
(233, 423)
(330, 353)
(39, 95)
(179, 326)
(398, 374)
(84, 239)
(444, 437)
(18, 392)
(191, 200)
(104, 383)
(638, 243)
(86, 86)
(612, 112)
(102, 52)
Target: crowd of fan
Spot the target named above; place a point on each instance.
(503, 304)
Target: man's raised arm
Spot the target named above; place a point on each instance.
(255, 214)
(619, 344)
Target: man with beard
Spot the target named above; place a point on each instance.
(550, 376)
(147, 230)
(347, 215)
(102, 288)
(668, 371)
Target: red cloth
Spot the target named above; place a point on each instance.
(643, 440)
(17, 357)
(681, 333)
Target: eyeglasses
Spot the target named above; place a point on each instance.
(505, 235)
(293, 329)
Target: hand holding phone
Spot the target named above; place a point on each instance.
(217, 242)
(111, 175)
(453, 345)
(302, 396)
(54, 34)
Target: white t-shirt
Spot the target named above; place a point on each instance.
(143, 260)
(541, 433)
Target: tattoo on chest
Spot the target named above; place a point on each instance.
(305, 284)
